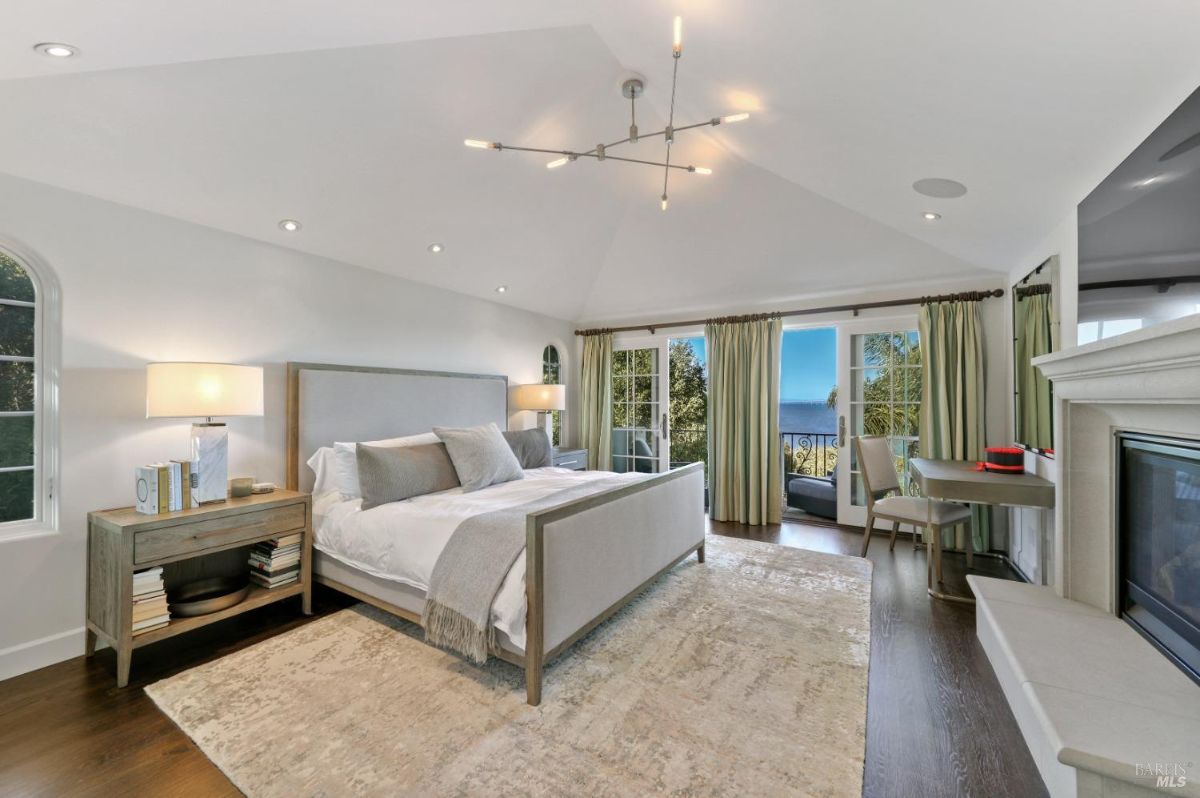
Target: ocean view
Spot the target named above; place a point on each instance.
(807, 417)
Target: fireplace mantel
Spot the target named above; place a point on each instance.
(1156, 364)
(1143, 381)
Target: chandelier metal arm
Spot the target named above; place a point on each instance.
(595, 155)
(638, 160)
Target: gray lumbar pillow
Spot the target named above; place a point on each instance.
(531, 446)
(395, 473)
(480, 455)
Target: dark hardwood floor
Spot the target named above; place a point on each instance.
(937, 723)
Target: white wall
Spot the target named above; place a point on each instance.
(138, 287)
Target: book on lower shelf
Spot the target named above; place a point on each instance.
(149, 601)
(276, 562)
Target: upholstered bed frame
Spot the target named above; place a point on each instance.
(585, 559)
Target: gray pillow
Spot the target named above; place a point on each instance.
(480, 455)
(395, 473)
(531, 446)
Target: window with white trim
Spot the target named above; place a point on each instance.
(552, 375)
(26, 483)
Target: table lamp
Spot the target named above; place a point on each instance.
(205, 390)
(543, 399)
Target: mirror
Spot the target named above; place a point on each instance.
(1035, 332)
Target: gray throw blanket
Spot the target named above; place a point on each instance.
(472, 567)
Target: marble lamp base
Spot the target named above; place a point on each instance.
(210, 455)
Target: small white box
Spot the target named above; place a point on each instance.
(146, 481)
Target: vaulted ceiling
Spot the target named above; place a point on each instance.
(350, 117)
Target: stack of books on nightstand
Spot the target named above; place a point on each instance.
(149, 601)
(276, 562)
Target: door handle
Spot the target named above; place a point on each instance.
(841, 431)
(662, 427)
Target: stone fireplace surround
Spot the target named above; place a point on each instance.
(1104, 713)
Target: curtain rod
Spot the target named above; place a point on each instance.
(965, 296)
(1163, 284)
(1033, 289)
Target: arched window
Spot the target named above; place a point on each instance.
(552, 375)
(27, 399)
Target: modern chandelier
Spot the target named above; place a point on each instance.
(632, 89)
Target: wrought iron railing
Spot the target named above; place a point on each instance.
(811, 453)
(688, 446)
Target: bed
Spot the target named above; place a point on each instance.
(584, 558)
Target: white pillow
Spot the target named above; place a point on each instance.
(346, 460)
(324, 468)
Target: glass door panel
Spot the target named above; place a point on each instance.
(879, 393)
(639, 399)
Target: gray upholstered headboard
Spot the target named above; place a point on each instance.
(328, 403)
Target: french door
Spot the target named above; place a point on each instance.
(640, 400)
(879, 393)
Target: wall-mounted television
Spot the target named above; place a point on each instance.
(1139, 234)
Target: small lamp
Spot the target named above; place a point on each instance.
(543, 399)
(205, 390)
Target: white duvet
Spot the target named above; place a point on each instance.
(402, 541)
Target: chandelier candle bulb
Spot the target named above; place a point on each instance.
(482, 145)
(556, 163)
(664, 202)
(735, 117)
(702, 170)
(677, 44)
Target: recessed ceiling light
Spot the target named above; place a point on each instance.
(289, 225)
(56, 49)
(500, 289)
(930, 216)
(434, 248)
(939, 187)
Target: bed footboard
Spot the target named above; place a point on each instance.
(589, 557)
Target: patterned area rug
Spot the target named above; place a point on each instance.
(745, 676)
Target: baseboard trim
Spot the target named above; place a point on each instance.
(25, 657)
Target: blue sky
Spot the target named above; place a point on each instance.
(809, 363)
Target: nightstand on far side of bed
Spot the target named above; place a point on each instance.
(574, 459)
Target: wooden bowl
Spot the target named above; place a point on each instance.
(206, 596)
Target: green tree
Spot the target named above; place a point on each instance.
(689, 404)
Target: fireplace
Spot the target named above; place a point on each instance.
(1158, 543)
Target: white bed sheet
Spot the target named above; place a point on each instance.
(402, 541)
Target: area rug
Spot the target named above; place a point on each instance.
(743, 676)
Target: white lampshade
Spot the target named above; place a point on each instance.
(182, 390)
(540, 397)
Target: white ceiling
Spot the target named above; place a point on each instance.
(350, 116)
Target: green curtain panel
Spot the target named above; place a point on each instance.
(1034, 337)
(952, 393)
(595, 401)
(744, 463)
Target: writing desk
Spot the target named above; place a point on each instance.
(962, 481)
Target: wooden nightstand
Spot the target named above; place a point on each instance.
(213, 540)
(574, 459)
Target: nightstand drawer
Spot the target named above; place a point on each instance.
(575, 460)
(188, 538)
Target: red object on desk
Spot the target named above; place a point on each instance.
(1004, 460)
